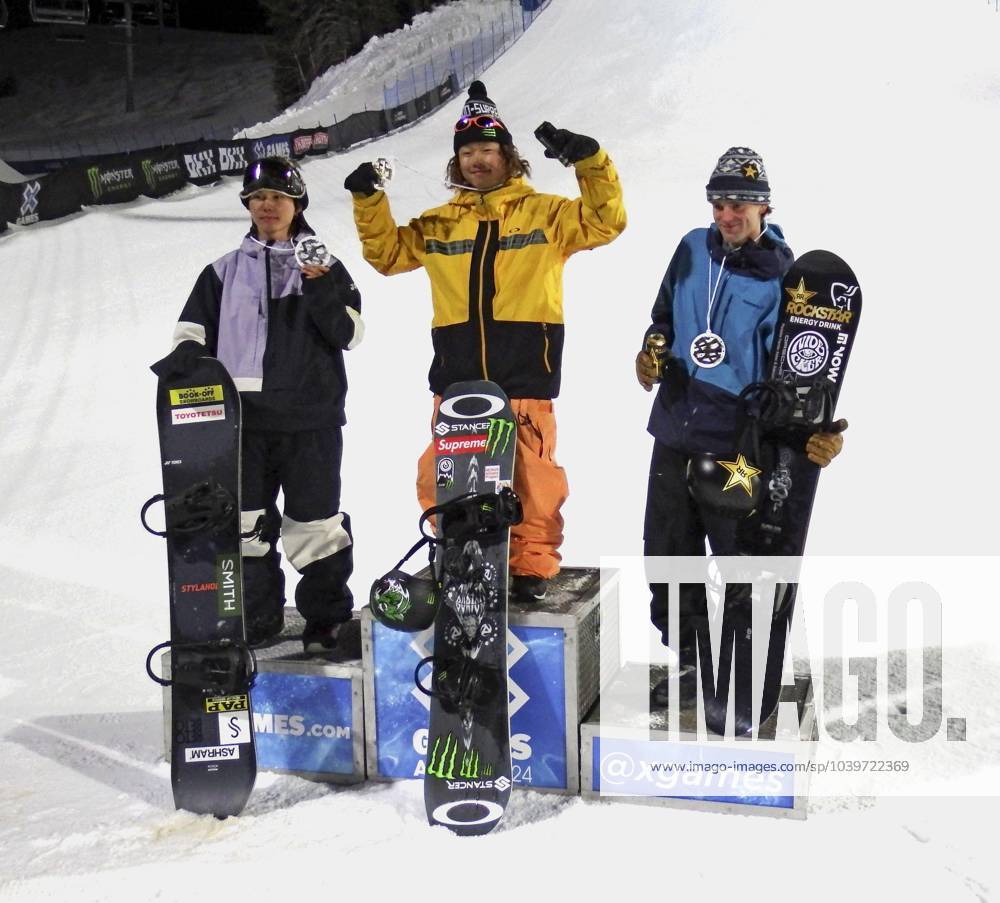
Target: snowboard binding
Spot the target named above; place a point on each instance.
(461, 683)
(404, 602)
(473, 516)
(206, 506)
(225, 667)
(789, 411)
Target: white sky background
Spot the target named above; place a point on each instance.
(877, 123)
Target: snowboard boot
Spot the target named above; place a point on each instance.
(320, 639)
(659, 692)
(659, 695)
(525, 588)
(262, 630)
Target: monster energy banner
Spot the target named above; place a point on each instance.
(161, 172)
(111, 180)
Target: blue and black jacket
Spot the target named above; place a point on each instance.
(697, 408)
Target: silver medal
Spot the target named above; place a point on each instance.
(384, 168)
(708, 350)
(312, 252)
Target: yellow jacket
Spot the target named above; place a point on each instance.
(495, 262)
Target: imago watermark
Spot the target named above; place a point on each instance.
(765, 675)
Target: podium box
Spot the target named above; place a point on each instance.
(633, 756)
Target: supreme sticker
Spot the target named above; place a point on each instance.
(463, 445)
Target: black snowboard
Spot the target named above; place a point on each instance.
(815, 332)
(468, 776)
(213, 762)
(816, 328)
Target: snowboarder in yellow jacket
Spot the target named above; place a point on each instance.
(495, 254)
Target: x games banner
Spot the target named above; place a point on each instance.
(68, 185)
(47, 197)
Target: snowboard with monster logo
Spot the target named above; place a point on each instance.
(468, 774)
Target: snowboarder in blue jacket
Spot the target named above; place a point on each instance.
(716, 308)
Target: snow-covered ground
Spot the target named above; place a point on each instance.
(877, 123)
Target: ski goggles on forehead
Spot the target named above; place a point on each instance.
(483, 121)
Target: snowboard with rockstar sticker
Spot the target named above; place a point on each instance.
(815, 332)
(817, 324)
(468, 770)
(213, 763)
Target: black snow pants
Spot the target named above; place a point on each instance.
(315, 533)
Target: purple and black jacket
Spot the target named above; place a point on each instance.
(281, 337)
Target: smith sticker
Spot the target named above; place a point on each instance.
(227, 570)
(196, 395)
(227, 703)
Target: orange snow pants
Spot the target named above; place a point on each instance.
(539, 482)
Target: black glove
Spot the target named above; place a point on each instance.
(181, 361)
(569, 147)
(363, 180)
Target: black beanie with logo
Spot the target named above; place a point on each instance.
(480, 120)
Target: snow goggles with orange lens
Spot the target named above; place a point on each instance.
(483, 121)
